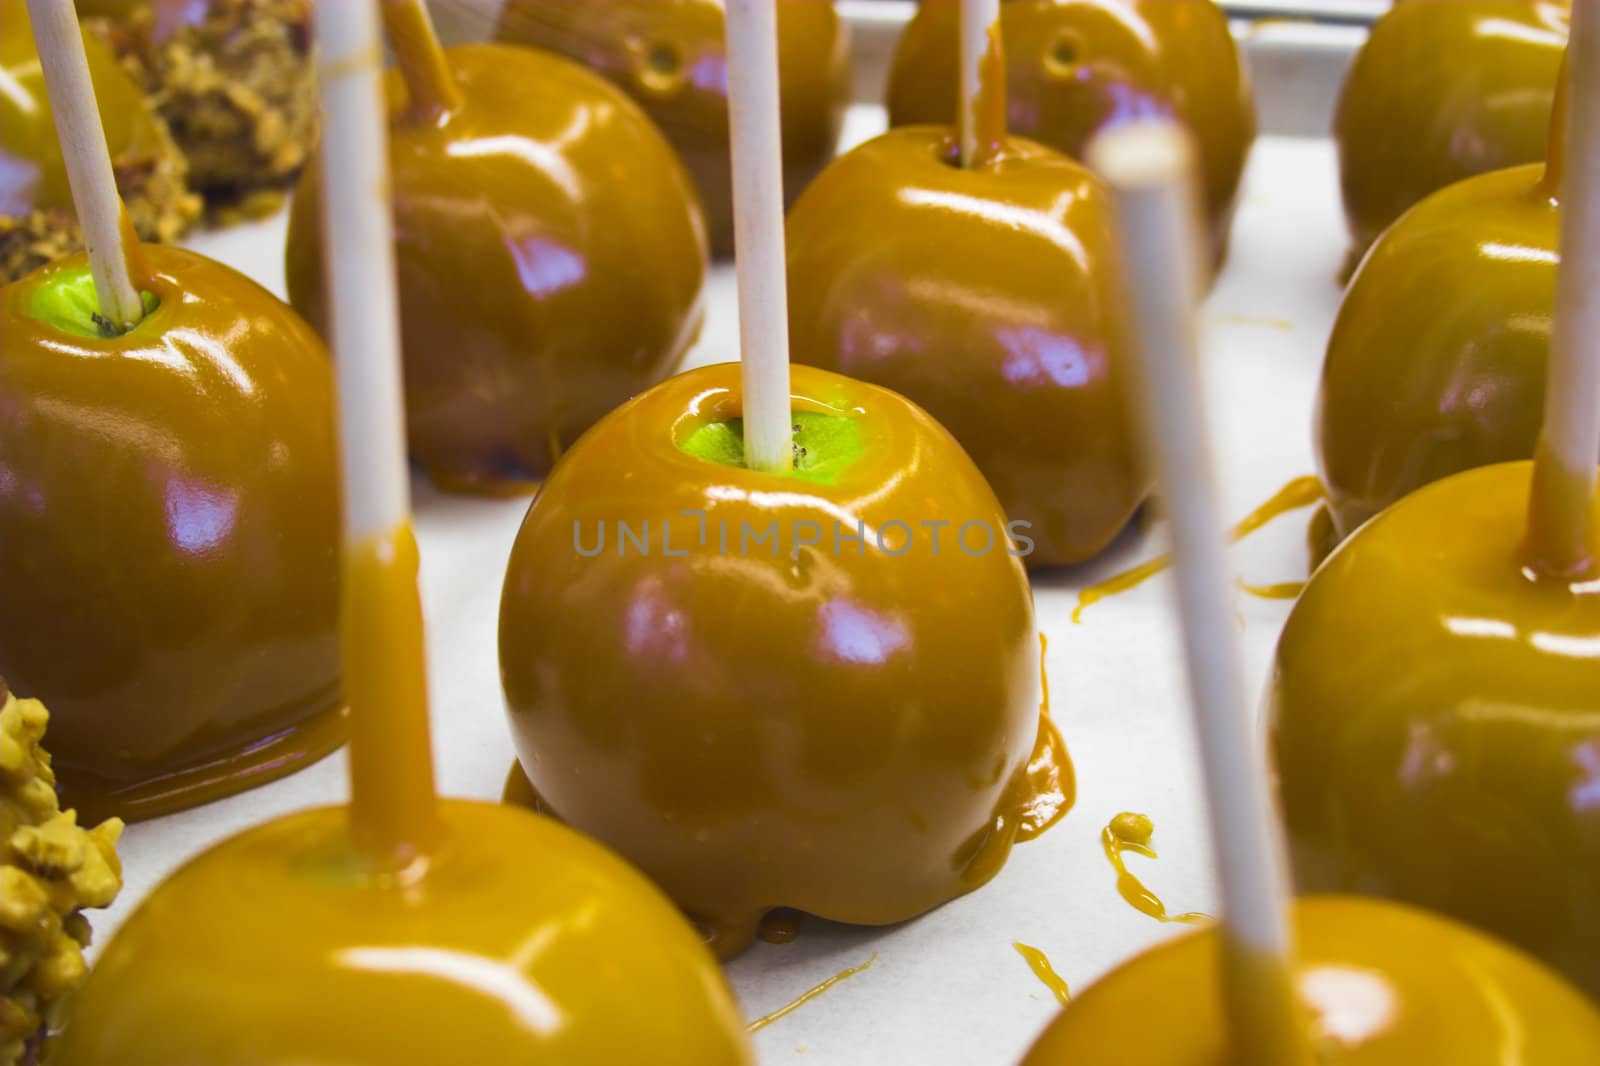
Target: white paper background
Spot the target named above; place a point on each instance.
(947, 988)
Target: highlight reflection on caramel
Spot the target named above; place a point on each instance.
(1132, 832)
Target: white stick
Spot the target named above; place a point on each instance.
(978, 17)
(1151, 169)
(83, 148)
(358, 260)
(758, 232)
(1572, 399)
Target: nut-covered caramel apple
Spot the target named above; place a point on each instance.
(1076, 66)
(1435, 715)
(36, 219)
(550, 254)
(816, 690)
(1381, 985)
(986, 295)
(1472, 271)
(670, 56)
(234, 80)
(51, 869)
(169, 516)
(1443, 90)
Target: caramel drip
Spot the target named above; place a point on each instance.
(806, 997)
(1052, 783)
(1131, 832)
(1303, 491)
(780, 926)
(1039, 963)
(394, 809)
(423, 64)
(1283, 590)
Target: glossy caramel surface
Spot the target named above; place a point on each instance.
(1443, 90)
(1382, 985)
(514, 941)
(779, 725)
(1076, 66)
(32, 173)
(169, 515)
(990, 297)
(550, 260)
(1437, 359)
(1435, 718)
(670, 56)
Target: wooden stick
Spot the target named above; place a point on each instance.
(1152, 171)
(423, 65)
(1561, 533)
(758, 233)
(83, 147)
(393, 805)
(982, 112)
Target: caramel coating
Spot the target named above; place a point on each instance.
(1075, 66)
(516, 941)
(550, 257)
(1435, 717)
(1383, 985)
(1443, 90)
(775, 724)
(169, 510)
(669, 56)
(50, 870)
(990, 297)
(1471, 273)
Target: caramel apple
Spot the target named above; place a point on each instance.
(1324, 981)
(1472, 271)
(401, 928)
(234, 80)
(1443, 90)
(550, 254)
(36, 219)
(1075, 66)
(670, 56)
(1435, 714)
(816, 689)
(169, 584)
(985, 294)
(1380, 985)
(50, 871)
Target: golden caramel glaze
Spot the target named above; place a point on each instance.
(810, 994)
(1132, 832)
(1075, 66)
(515, 941)
(1297, 493)
(550, 256)
(1435, 717)
(32, 173)
(1039, 963)
(669, 55)
(1382, 985)
(1470, 273)
(991, 297)
(169, 510)
(845, 732)
(1441, 91)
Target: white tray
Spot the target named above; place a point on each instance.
(949, 988)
